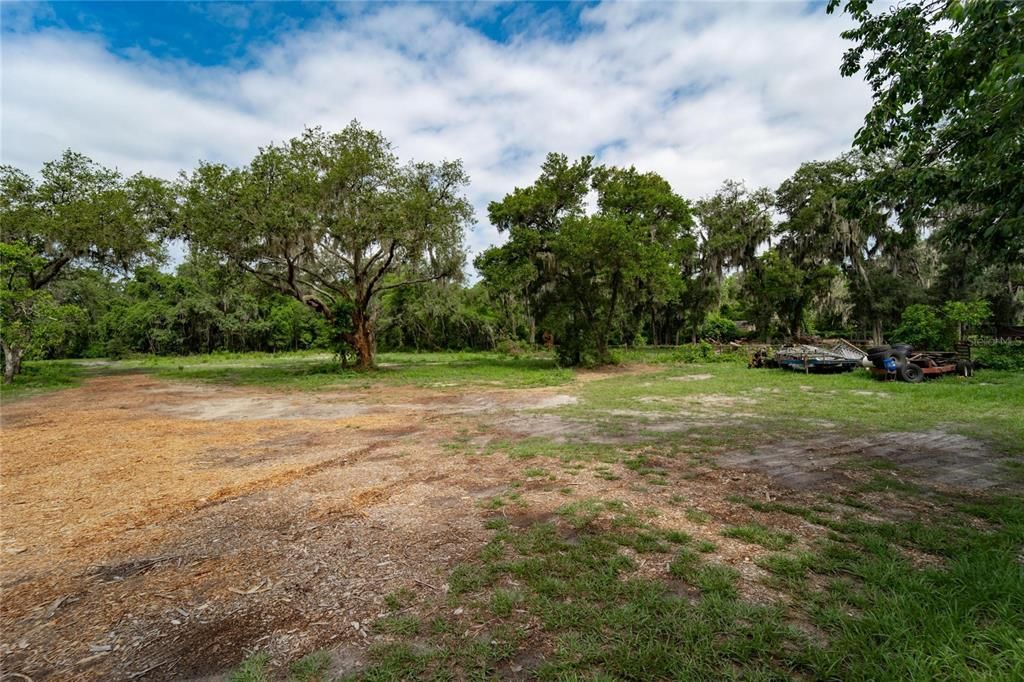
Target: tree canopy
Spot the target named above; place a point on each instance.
(79, 213)
(333, 220)
(577, 268)
(947, 77)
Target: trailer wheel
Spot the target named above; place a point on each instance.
(912, 374)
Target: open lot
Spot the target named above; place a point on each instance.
(463, 516)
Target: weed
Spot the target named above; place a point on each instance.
(311, 668)
(757, 534)
(697, 516)
(252, 669)
(398, 625)
(399, 599)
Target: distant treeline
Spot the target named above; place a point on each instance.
(327, 240)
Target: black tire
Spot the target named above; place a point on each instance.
(912, 374)
(965, 368)
(880, 355)
(904, 348)
(878, 349)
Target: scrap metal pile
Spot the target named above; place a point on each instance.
(841, 357)
(899, 361)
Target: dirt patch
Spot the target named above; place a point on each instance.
(935, 458)
(692, 377)
(161, 530)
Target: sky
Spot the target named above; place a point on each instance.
(696, 91)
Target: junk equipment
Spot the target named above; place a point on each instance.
(902, 362)
(841, 357)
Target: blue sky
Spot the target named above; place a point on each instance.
(219, 33)
(697, 91)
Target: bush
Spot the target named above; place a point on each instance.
(719, 328)
(1008, 356)
(510, 347)
(923, 328)
(703, 352)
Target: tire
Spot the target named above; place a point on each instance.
(965, 368)
(912, 373)
(904, 348)
(878, 356)
(878, 349)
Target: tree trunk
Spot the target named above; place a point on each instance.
(12, 362)
(362, 339)
(877, 332)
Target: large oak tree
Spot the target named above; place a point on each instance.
(78, 214)
(333, 220)
(579, 268)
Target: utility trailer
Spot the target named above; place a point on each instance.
(928, 364)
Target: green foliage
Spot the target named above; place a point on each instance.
(1005, 356)
(734, 223)
(332, 220)
(922, 327)
(442, 315)
(966, 315)
(949, 109)
(579, 270)
(719, 328)
(80, 212)
(775, 287)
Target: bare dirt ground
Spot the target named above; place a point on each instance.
(159, 530)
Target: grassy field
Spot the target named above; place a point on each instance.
(42, 376)
(320, 371)
(888, 577)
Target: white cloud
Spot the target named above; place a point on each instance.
(696, 92)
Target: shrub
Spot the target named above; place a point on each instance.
(923, 328)
(510, 347)
(1008, 356)
(703, 352)
(719, 328)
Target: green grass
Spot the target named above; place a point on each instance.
(398, 625)
(252, 669)
(789, 404)
(757, 534)
(42, 376)
(312, 371)
(881, 614)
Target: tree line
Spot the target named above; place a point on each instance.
(329, 241)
